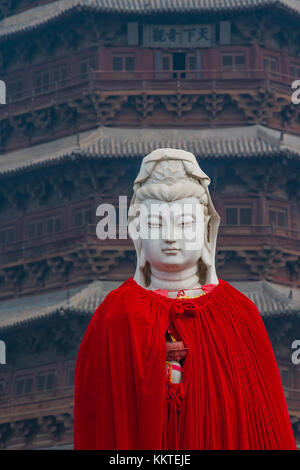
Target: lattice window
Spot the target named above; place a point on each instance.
(233, 61)
(44, 227)
(285, 376)
(86, 65)
(71, 376)
(295, 71)
(82, 216)
(23, 385)
(7, 236)
(14, 90)
(123, 62)
(271, 65)
(238, 215)
(46, 381)
(278, 217)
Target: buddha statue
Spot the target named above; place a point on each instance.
(174, 227)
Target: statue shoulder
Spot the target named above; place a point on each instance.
(119, 300)
(238, 296)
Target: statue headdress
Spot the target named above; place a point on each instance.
(161, 176)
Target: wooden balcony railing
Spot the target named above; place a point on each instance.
(260, 230)
(36, 396)
(292, 396)
(32, 404)
(73, 239)
(256, 236)
(109, 80)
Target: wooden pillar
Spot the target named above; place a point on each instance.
(256, 62)
(262, 212)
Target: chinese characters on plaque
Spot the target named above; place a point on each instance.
(179, 36)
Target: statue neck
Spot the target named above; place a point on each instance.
(185, 279)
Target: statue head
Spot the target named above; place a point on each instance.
(172, 220)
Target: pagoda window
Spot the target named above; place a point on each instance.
(71, 377)
(86, 65)
(271, 65)
(238, 215)
(233, 61)
(31, 231)
(285, 376)
(39, 229)
(46, 381)
(59, 75)
(44, 80)
(41, 81)
(7, 236)
(3, 388)
(178, 64)
(53, 225)
(47, 226)
(166, 62)
(50, 226)
(14, 90)
(82, 217)
(278, 217)
(295, 71)
(191, 62)
(123, 62)
(24, 385)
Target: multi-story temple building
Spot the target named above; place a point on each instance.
(92, 87)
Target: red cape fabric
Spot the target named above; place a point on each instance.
(231, 395)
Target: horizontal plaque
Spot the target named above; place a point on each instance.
(201, 35)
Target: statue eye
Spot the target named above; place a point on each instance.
(187, 222)
(154, 224)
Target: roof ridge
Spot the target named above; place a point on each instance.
(51, 11)
(106, 142)
(280, 296)
(264, 133)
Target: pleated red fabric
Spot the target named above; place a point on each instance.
(231, 395)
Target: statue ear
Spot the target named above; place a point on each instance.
(133, 228)
(142, 260)
(207, 229)
(206, 255)
(206, 252)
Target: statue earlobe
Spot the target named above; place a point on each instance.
(206, 255)
(206, 252)
(142, 260)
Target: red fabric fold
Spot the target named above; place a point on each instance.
(174, 394)
(231, 396)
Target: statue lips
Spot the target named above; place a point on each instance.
(171, 250)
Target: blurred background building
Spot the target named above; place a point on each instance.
(92, 87)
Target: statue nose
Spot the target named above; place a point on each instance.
(170, 239)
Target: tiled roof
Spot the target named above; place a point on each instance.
(105, 142)
(80, 300)
(43, 14)
(85, 299)
(269, 301)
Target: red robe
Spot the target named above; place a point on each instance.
(231, 395)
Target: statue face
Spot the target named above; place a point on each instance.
(172, 233)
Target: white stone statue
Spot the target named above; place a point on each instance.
(173, 223)
(177, 373)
